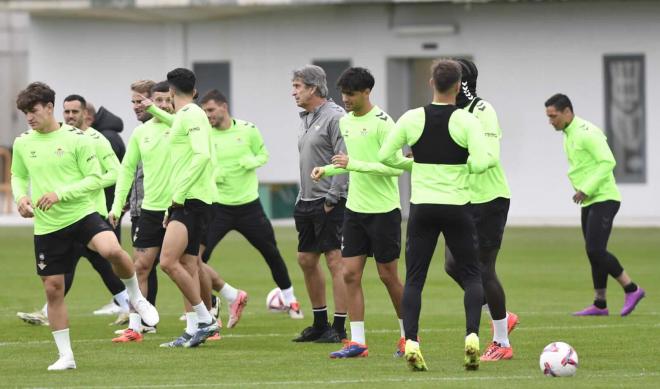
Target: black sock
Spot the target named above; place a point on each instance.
(631, 287)
(339, 322)
(601, 304)
(320, 317)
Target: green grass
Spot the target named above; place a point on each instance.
(544, 271)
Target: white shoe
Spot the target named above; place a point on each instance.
(37, 318)
(108, 309)
(147, 312)
(122, 319)
(143, 330)
(182, 317)
(64, 363)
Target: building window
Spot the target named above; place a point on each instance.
(213, 75)
(333, 69)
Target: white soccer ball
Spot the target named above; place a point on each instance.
(559, 359)
(275, 301)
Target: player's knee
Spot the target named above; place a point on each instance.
(336, 268)
(54, 289)
(596, 255)
(142, 268)
(113, 253)
(351, 277)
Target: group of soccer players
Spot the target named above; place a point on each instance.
(189, 161)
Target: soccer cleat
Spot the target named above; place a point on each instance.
(63, 363)
(310, 334)
(512, 322)
(122, 319)
(215, 307)
(400, 347)
(178, 342)
(128, 336)
(496, 352)
(182, 317)
(108, 309)
(204, 331)
(592, 310)
(331, 335)
(471, 352)
(294, 311)
(214, 337)
(236, 308)
(631, 301)
(351, 350)
(36, 318)
(414, 356)
(147, 312)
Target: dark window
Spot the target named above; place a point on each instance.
(333, 69)
(213, 75)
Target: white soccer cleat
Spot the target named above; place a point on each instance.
(108, 309)
(64, 363)
(182, 317)
(143, 330)
(36, 318)
(147, 312)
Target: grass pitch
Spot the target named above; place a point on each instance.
(544, 271)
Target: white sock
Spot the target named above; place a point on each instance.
(487, 310)
(229, 292)
(287, 296)
(44, 310)
(357, 332)
(500, 334)
(63, 342)
(403, 332)
(203, 315)
(191, 323)
(121, 298)
(134, 322)
(133, 289)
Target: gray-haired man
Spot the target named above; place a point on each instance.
(319, 209)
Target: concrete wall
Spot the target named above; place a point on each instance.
(525, 53)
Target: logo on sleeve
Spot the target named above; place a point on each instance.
(193, 129)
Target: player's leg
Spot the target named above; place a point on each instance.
(460, 234)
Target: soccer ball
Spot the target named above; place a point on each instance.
(274, 301)
(558, 359)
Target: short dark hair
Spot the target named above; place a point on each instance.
(560, 101)
(182, 80)
(446, 73)
(162, 86)
(355, 79)
(35, 93)
(214, 95)
(83, 102)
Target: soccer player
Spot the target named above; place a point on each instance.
(59, 165)
(372, 222)
(149, 144)
(447, 144)
(193, 191)
(590, 172)
(74, 115)
(239, 151)
(489, 196)
(319, 209)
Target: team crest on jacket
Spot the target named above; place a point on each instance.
(59, 152)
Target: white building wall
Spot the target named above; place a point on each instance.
(525, 53)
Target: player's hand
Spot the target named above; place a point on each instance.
(145, 102)
(47, 201)
(409, 154)
(328, 208)
(317, 173)
(579, 197)
(340, 160)
(25, 207)
(112, 219)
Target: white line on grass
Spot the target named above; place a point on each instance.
(420, 377)
(379, 331)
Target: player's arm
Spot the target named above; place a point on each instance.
(466, 131)
(161, 115)
(109, 162)
(338, 146)
(491, 129)
(20, 181)
(407, 131)
(599, 150)
(126, 175)
(198, 137)
(88, 165)
(259, 155)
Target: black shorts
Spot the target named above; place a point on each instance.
(149, 231)
(490, 220)
(375, 235)
(193, 215)
(318, 231)
(57, 252)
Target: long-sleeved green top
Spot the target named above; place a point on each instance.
(109, 167)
